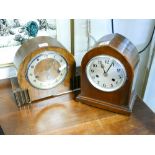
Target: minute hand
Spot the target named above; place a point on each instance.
(109, 67)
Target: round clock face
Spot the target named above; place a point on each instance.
(106, 73)
(47, 70)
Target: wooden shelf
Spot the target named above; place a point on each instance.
(63, 115)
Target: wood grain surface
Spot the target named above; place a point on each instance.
(28, 51)
(63, 115)
(122, 44)
(122, 99)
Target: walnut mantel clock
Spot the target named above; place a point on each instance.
(107, 74)
(44, 69)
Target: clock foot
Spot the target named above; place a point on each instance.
(126, 110)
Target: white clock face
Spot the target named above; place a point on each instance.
(47, 70)
(106, 73)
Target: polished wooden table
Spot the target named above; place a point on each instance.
(63, 115)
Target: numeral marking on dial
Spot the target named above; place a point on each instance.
(106, 61)
(120, 76)
(99, 62)
(93, 77)
(94, 65)
(118, 69)
(104, 85)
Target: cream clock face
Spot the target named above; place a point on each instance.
(106, 73)
(47, 70)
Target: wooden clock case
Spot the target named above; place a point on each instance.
(121, 100)
(23, 90)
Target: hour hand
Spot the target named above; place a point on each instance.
(102, 66)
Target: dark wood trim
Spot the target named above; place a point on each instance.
(1, 131)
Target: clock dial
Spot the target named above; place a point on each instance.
(106, 73)
(47, 70)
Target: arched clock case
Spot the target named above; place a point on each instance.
(44, 69)
(107, 74)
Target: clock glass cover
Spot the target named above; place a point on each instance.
(47, 70)
(106, 73)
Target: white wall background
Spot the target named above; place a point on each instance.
(149, 96)
(98, 28)
(63, 32)
(138, 32)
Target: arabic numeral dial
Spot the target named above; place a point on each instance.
(47, 70)
(106, 73)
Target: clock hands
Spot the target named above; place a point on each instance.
(109, 67)
(102, 66)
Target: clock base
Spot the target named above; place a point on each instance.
(126, 110)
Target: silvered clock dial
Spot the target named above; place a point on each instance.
(46, 70)
(106, 73)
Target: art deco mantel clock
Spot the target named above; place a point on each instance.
(44, 68)
(107, 74)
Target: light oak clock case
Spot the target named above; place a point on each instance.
(25, 54)
(121, 100)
